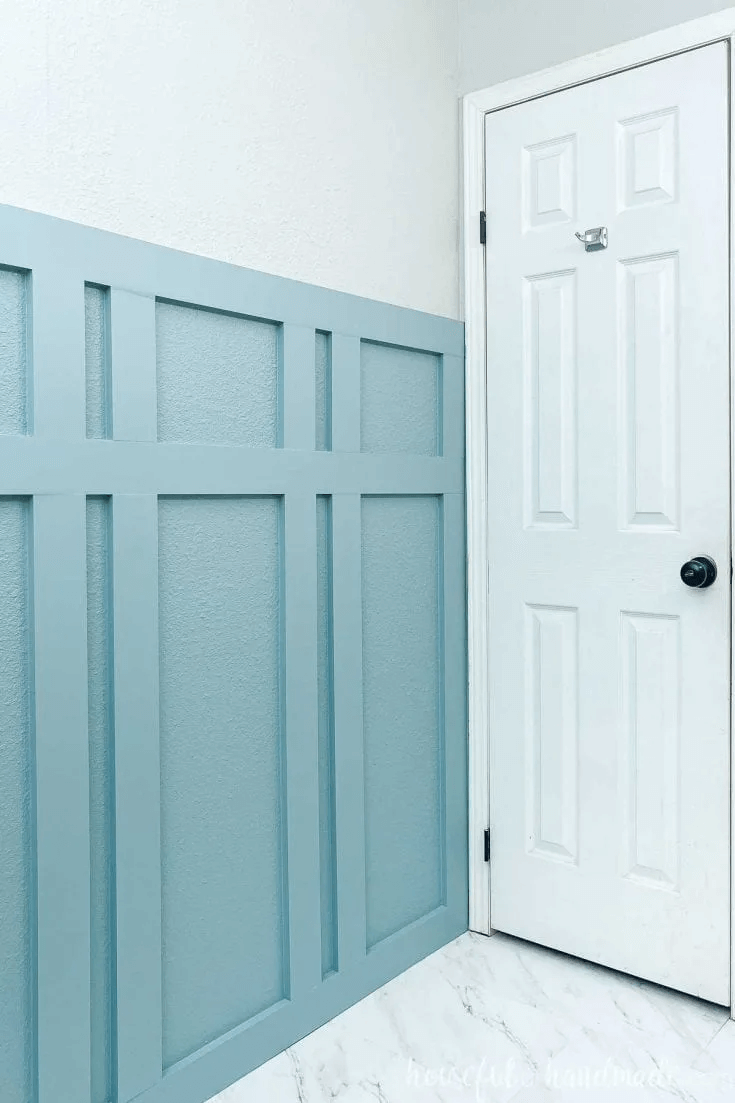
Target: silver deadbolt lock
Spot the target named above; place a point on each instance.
(593, 239)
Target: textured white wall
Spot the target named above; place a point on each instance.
(317, 140)
(500, 39)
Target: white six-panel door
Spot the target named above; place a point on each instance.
(608, 455)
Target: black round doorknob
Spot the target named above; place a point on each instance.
(699, 572)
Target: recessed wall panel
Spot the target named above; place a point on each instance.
(222, 800)
(323, 391)
(218, 377)
(327, 795)
(550, 406)
(14, 286)
(651, 675)
(402, 702)
(649, 385)
(101, 757)
(400, 401)
(16, 830)
(552, 733)
(97, 360)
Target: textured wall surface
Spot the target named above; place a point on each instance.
(217, 377)
(16, 873)
(402, 662)
(317, 141)
(13, 349)
(221, 749)
(101, 757)
(500, 39)
(323, 390)
(97, 360)
(399, 400)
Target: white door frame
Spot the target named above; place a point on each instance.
(699, 32)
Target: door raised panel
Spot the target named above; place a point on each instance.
(649, 378)
(552, 734)
(549, 182)
(550, 406)
(651, 676)
(648, 159)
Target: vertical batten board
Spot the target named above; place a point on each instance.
(62, 797)
(299, 619)
(301, 743)
(451, 408)
(298, 375)
(454, 702)
(137, 792)
(57, 391)
(133, 356)
(348, 728)
(345, 393)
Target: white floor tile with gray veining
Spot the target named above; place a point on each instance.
(496, 1019)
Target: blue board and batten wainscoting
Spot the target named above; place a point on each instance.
(233, 793)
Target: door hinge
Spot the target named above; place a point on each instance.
(486, 845)
(483, 228)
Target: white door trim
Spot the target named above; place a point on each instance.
(699, 32)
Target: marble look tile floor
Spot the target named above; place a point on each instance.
(496, 1019)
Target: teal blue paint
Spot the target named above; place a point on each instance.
(454, 704)
(133, 349)
(136, 655)
(325, 680)
(301, 733)
(296, 370)
(403, 723)
(400, 409)
(101, 809)
(217, 377)
(235, 558)
(222, 814)
(452, 421)
(97, 360)
(345, 422)
(17, 875)
(13, 351)
(349, 786)
(323, 392)
(61, 699)
(58, 386)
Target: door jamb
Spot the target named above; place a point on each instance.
(717, 27)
